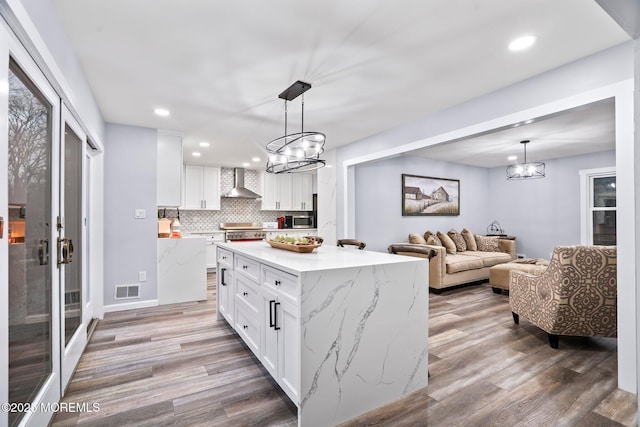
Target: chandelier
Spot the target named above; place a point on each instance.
(295, 152)
(525, 170)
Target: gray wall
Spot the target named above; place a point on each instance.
(378, 200)
(543, 213)
(129, 184)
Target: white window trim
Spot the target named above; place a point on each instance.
(586, 175)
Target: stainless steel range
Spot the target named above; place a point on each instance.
(242, 231)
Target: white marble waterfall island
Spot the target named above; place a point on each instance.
(342, 331)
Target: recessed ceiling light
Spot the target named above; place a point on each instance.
(204, 144)
(256, 159)
(195, 154)
(161, 112)
(246, 164)
(522, 43)
(510, 158)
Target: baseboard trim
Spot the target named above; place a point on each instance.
(130, 305)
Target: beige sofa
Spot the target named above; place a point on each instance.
(447, 270)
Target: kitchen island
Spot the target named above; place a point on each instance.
(342, 331)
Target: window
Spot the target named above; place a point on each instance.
(598, 206)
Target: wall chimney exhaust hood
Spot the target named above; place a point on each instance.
(239, 191)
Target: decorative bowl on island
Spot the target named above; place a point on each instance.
(296, 244)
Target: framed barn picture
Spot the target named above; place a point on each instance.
(425, 195)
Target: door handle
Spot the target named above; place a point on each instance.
(65, 251)
(275, 316)
(43, 252)
(272, 322)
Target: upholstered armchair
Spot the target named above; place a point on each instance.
(575, 296)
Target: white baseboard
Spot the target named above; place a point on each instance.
(130, 305)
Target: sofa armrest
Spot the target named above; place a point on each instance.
(508, 247)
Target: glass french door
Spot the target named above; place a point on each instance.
(33, 371)
(70, 244)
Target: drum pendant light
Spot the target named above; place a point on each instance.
(526, 170)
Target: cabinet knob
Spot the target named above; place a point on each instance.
(244, 267)
(277, 282)
(245, 293)
(245, 327)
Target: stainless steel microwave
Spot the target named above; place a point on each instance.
(302, 221)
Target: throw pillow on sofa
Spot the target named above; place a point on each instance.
(469, 239)
(458, 240)
(436, 240)
(447, 243)
(416, 238)
(487, 244)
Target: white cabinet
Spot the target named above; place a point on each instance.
(281, 329)
(277, 192)
(302, 191)
(287, 192)
(201, 187)
(265, 306)
(281, 339)
(226, 286)
(169, 169)
(212, 239)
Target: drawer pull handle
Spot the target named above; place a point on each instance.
(244, 267)
(277, 282)
(245, 327)
(222, 271)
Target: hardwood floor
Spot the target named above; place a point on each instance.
(176, 365)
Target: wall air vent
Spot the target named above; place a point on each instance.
(127, 291)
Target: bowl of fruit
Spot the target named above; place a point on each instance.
(296, 244)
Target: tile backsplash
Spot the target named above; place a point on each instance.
(231, 210)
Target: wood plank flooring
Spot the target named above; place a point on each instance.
(176, 365)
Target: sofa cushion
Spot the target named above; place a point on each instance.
(489, 259)
(487, 244)
(458, 262)
(458, 240)
(469, 239)
(447, 242)
(436, 241)
(416, 238)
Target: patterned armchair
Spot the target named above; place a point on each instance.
(576, 295)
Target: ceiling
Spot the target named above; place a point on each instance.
(219, 66)
(588, 129)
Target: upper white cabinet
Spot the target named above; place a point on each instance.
(201, 187)
(169, 169)
(287, 192)
(302, 192)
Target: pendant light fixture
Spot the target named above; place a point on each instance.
(295, 152)
(526, 170)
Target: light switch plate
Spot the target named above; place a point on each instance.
(140, 213)
(142, 276)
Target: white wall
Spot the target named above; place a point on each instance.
(129, 184)
(543, 213)
(378, 200)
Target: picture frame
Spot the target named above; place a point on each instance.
(429, 196)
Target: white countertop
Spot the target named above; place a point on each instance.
(322, 258)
